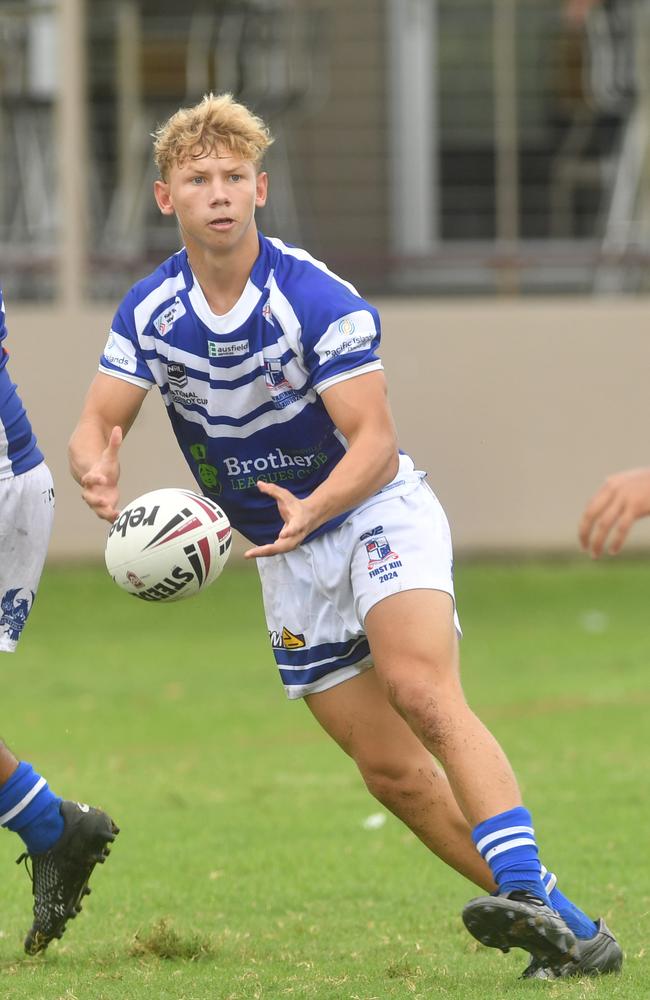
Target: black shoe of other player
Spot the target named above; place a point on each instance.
(518, 919)
(594, 957)
(60, 876)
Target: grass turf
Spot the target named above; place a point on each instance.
(245, 867)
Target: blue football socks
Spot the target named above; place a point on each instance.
(30, 809)
(581, 925)
(507, 843)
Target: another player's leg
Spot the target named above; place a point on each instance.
(414, 644)
(64, 840)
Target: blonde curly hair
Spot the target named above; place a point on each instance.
(216, 121)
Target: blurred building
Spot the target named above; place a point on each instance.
(429, 146)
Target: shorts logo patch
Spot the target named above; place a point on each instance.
(15, 605)
(287, 639)
(377, 547)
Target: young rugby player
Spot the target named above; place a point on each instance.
(268, 366)
(63, 840)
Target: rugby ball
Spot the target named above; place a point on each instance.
(167, 545)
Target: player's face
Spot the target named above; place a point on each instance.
(214, 198)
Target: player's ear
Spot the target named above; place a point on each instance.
(261, 189)
(163, 197)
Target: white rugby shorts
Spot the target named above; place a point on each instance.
(316, 597)
(26, 513)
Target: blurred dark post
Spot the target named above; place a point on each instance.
(128, 91)
(72, 147)
(413, 128)
(506, 140)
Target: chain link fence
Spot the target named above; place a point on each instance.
(422, 146)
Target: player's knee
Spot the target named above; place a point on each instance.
(388, 781)
(431, 712)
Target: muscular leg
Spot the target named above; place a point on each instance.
(399, 771)
(415, 651)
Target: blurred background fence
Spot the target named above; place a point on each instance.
(480, 169)
(440, 146)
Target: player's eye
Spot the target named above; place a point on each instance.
(197, 180)
(235, 177)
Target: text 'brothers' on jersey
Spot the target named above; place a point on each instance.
(242, 390)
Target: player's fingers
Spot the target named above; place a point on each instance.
(93, 479)
(259, 551)
(273, 549)
(623, 525)
(114, 442)
(602, 527)
(273, 491)
(592, 512)
(106, 511)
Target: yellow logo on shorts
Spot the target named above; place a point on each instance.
(291, 641)
(286, 639)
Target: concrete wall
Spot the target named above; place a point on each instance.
(517, 410)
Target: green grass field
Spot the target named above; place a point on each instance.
(244, 868)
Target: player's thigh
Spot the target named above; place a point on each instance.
(414, 645)
(359, 717)
(402, 572)
(26, 513)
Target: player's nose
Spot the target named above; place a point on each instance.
(219, 194)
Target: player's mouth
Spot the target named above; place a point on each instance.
(222, 224)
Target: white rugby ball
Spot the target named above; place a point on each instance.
(167, 545)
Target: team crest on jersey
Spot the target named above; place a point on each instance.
(287, 639)
(176, 375)
(15, 606)
(282, 392)
(165, 321)
(377, 547)
(273, 374)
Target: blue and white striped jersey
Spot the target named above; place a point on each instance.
(19, 451)
(242, 390)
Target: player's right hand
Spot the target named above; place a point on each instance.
(99, 484)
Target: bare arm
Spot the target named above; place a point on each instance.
(109, 410)
(359, 408)
(621, 500)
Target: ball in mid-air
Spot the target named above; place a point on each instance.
(168, 544)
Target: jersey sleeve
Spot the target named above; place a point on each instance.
(123, 357)
(340, 336)
(4, 353)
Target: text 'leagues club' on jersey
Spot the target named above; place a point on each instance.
(242, 389)
(18, 449)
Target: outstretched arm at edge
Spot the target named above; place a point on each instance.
(621, 500)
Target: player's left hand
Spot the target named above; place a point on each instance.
(621, 500)
(298, 519)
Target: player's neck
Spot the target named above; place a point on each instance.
(223, 276)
